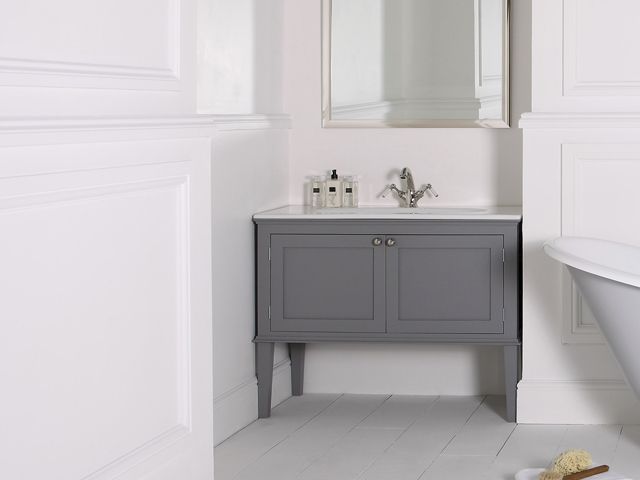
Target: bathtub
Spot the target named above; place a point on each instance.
(608, 276)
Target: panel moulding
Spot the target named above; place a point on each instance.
(180, 187)
(35, 72)
(572, 83)
(582, 175)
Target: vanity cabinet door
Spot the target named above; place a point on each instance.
(327, 283)
(445, 284)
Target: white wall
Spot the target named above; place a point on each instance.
(105, 281)
(581, 166)
(249, 175)
(468, 167)
(240, 51)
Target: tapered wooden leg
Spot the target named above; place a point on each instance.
(296, 352)
(512, 359)
(264, 373)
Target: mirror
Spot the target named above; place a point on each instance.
(416, 63)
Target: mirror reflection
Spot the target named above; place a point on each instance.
(416, 63)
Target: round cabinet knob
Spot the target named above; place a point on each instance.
(377, 242)
(390, 242)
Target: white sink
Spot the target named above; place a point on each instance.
(403, 211)
(392, 213)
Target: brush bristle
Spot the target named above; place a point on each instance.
(550, 475)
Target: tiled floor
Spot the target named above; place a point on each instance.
(377, 437)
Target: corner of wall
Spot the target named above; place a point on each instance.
(237, 408)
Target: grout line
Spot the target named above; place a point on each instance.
(505, 442)
(455, 434)
(372, 412)
(462, 426)
(286, 436)
(341, 438)
(614, 455)
(411, 424)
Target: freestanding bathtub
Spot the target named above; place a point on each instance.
(608, 276)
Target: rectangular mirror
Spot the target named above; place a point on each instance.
(416, 63)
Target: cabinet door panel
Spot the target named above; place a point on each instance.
(327, 283)
(445, 284)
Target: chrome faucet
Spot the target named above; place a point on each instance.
(409, 195)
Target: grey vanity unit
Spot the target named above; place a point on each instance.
(386, 275)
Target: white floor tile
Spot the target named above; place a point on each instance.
(424, 440)
(458, 467)
(486, 431)
(234, 454)
(532, 446)
(398, 412)
(313, 440)
(377, 437)
(352, 455)
(599, 440)
(626, 460)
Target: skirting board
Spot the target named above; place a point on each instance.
(577, 402)
(237, 408)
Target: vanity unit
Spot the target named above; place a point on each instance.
(429, 275)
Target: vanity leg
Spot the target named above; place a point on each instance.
(512, 360)
(296, 352)
(264, 373)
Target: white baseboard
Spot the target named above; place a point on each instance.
(577, 402)
(238, 407)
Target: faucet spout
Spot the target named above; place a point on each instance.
(409, 196)
(407, 177)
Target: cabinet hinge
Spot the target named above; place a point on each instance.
(503, 255)
(502, 314)
(269, 253)
(270, 313)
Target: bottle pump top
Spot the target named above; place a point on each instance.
(334, 174)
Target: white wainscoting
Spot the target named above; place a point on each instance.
(117, 44)
(105, 352)
(583, 57)
(98, 57)
(580, 175)
(594, 43)
(600, 198)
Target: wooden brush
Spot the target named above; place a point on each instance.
(551, 475)
(587, 473)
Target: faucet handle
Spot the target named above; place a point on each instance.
(390, 188)
(385, 192)
(431, 190)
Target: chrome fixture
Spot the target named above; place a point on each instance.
(409, 195)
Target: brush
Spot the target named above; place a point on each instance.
(551, 475)
(587, 473)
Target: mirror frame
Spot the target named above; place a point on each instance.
(328, 122)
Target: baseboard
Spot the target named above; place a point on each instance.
(238, 407)
(577, 402)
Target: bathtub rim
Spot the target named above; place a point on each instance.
(560, 249)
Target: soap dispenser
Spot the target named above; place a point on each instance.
(333, 191)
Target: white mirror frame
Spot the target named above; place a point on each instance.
(329, 122)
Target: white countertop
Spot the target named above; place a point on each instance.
(302, 212)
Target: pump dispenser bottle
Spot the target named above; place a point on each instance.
(333, 191)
